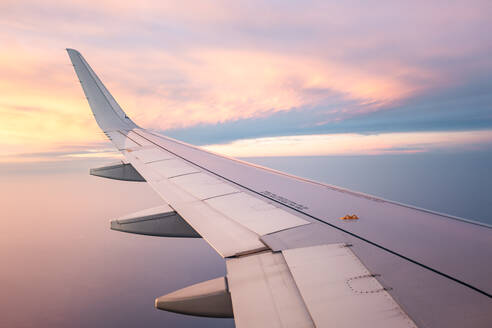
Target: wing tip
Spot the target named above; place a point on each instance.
(71, 50)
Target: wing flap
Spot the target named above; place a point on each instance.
(154, 154)
(172, 168)
(255, 214)
(339, 291)
(203, 186)
(264, 293)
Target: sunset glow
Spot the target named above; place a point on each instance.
(355, 144)
(219, 65)
(320, 110)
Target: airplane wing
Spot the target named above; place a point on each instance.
(298, 253)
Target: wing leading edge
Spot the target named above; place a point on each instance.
(395, 266)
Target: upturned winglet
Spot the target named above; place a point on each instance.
(107, 112)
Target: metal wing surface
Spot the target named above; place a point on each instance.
(298, 253)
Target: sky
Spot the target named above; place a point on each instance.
(397, 76)
(389, 98)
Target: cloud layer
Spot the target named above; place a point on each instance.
(220, 71)
(350, 144)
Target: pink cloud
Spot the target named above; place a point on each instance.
(181, 64)
(355, 144)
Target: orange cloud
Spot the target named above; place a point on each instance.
(42, 104)
(217, 85)
(191, 82)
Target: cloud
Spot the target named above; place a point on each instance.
(438, 109)
(356, 144)
(61, 155)
(222, 70)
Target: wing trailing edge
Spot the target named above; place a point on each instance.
(160, 221)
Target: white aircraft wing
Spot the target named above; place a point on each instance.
(298, 253)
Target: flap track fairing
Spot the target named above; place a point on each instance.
(161, 221)
(118, 171)
(210, 298)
